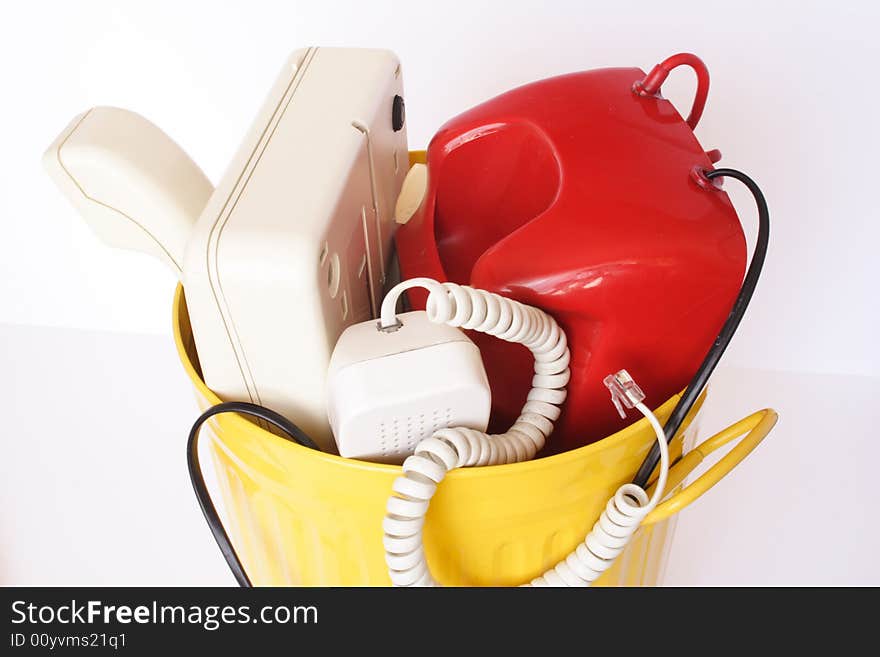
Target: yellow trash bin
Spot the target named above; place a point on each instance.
(301, 517)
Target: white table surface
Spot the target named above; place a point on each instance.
(94, 488)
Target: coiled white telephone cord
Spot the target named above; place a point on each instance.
(449, 448)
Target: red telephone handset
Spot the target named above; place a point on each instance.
(576, 194)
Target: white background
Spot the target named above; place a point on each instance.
(792, 102)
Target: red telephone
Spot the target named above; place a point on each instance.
(579, 194)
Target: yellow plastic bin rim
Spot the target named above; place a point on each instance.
(755, 427)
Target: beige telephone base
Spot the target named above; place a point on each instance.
(294, 244)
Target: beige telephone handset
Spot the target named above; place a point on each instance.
(135, 187)
(294, 244)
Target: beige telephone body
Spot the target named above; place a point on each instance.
(292, 246)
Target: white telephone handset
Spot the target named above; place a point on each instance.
(292, 247)
(134, 186)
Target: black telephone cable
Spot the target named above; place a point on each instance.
(291, 432)
(698, 382)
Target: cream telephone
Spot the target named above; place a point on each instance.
(293, 245)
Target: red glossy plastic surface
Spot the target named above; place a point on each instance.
(576, 195)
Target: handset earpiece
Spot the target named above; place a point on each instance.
(133, 185)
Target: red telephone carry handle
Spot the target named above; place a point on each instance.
(650, 86)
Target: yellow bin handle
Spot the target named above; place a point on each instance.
(755, 427)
